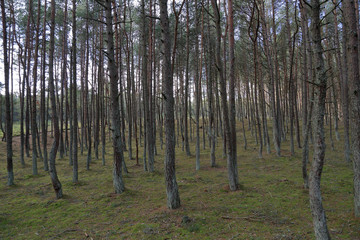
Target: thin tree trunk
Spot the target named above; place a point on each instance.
(74, 107)
(272, 82)
(197, 92)
(43, 109)
(63, 76)
(129, 85)
(25, 76)
(53, 174)
(148, 95)
(232, 112)
(88, 103)
(253, 34)
(305, 85)
(9, 152)
(33, 117)
(186, 96)
(345, 99)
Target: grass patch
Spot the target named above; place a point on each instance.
(270, 203)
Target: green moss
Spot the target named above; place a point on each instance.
(270, 203)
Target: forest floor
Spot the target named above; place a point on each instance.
(271, 204)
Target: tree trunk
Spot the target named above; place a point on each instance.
(345, 99)
(186, 96)
(272, 82)
(74, 88)
(275, 91)
(173, 198)
(148, 95)
(197, 91)
(210, 94)
(87, 100)
(318, 213)
(253, 34)
(33, 117)
(42, 105)
(53, 174)
(9, 152)
(232, 114)
(231, 152)
(354, 93)
(63, 81)
(118, 182)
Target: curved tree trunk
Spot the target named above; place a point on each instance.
(53, 174)
(231, 147)
(318, 213)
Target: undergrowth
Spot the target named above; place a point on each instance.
(271, 202)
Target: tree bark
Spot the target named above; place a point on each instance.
(231, 151)
(173, 198)
(63, 81)
(87, 100)
(33, 116)
(253, 34)
(9, 152)
(53, 174)
(354, 93)
(318, 212)
(186, 96)
(42, 105)
(118, 182)
(74, 89)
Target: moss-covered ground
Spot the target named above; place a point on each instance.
(271, 204)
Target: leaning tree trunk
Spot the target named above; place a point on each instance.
(318, 213)
(354, 93)
(54, 178)
(173, 198)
